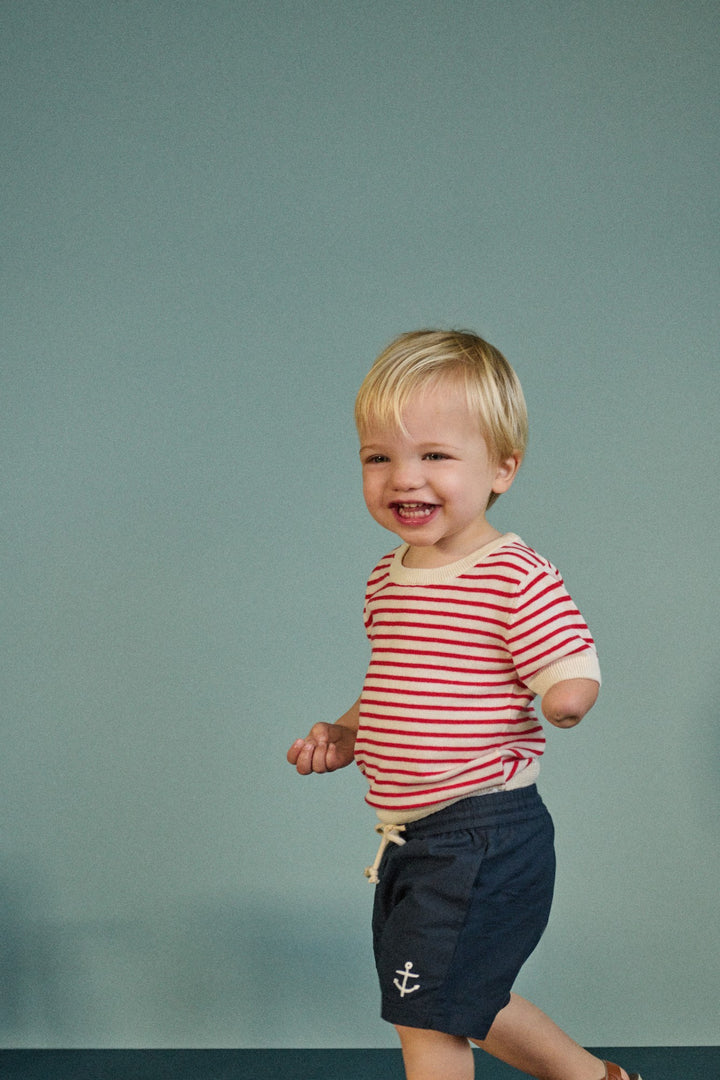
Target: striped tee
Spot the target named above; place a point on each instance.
(458, 653)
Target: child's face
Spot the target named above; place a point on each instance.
(431, 486)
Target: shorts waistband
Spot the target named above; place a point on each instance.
(480, 811)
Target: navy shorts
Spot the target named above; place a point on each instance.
(459, 908)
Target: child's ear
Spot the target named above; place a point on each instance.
(506, 473)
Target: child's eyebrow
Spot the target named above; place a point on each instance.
(371, 448)
(374, 443)
(423, 448)
(440, 446)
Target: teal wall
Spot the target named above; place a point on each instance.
(215, 215)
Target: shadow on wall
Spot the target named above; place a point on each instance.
(255, 975)
(35, 963)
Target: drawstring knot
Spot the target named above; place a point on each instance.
(389, 834)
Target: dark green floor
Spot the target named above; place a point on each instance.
(653, 1062)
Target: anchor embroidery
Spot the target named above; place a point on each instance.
(406, 974)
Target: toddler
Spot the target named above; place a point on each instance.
(467, 626)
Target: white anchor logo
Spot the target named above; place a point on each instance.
(406, 974)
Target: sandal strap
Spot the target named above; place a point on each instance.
(612, 1072)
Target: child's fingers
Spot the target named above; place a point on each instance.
(304, 763)
(308, 757)
(316, 753)
(294, 751)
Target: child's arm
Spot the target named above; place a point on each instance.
(328, 746)
(565, 703)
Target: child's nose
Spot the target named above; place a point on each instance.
(407, 476)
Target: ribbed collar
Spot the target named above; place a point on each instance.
(439, 575)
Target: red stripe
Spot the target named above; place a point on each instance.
(392, 692)
(537, 664)
(475, 707)
(420, 666)
(472, 753)
(437, 682)
(442, 612)
(499, 775)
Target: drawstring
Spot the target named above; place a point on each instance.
(389, 834)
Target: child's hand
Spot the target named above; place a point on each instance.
(328, 747)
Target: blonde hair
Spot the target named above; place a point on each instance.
(423, 359)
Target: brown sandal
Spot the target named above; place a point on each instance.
(612, 1072)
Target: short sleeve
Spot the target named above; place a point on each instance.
(582, 665)
(546, 629)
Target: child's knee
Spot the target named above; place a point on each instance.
(429, 1054)
(418, 1037)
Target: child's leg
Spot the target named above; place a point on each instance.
(524, 1037)
(433, 1055)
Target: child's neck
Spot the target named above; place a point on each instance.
(432, 556)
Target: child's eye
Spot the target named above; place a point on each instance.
(375, 459)
(435, 455)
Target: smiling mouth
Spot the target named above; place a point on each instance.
(413, 511)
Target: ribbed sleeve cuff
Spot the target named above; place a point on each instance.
(583, 665)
